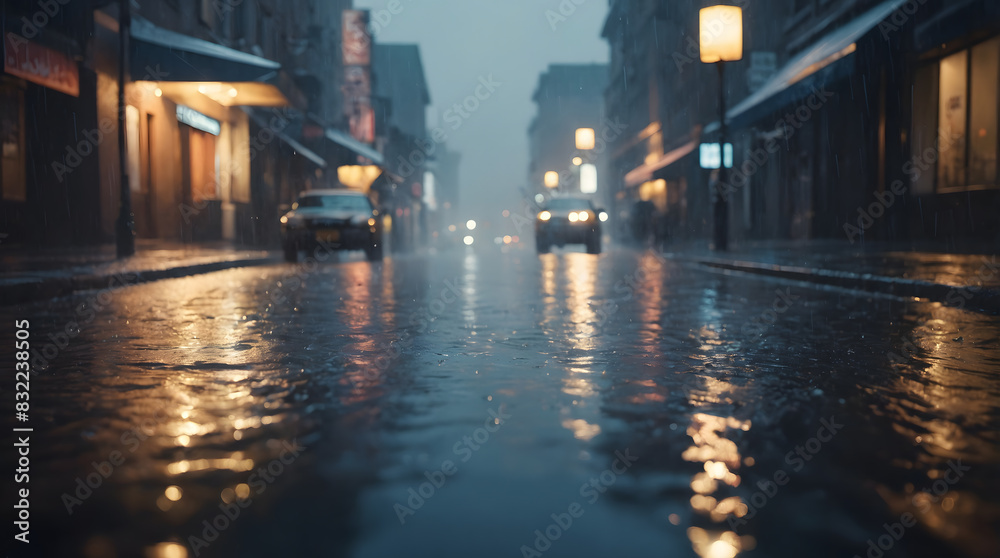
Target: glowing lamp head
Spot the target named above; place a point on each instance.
(721, 33)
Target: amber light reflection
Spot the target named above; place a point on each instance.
(576, 322)
(367, 355)
(721, 462)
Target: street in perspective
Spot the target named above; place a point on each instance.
(536, 278)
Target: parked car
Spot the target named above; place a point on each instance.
(569, 220)
(337, 219)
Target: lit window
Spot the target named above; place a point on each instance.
(965, 144)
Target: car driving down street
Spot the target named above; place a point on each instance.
(569, 220)
(341, 219)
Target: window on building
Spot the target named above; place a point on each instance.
(955, 121)
(132, 148)
(983, 102)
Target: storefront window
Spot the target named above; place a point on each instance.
(983, 113)
(132, 147)
(952, 107)
(966, 100)
(204, 167)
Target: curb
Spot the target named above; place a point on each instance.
(64, 286)
(972, 298)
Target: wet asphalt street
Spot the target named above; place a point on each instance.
(483, 403)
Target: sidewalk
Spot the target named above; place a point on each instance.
(966, 280)
(35, 274)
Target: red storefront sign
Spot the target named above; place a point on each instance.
(41, 65)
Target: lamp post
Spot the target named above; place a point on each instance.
(125, 224)
(721, 32)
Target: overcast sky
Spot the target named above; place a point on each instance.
(462, 41)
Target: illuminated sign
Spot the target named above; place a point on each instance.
(710, 158)
(588, 179)
(40, 65)
(197, 120)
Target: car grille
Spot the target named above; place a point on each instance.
(327, 223)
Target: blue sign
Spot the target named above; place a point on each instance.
(195, 119)
(709, 156)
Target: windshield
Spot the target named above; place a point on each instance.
(339, 203)
(567, 204)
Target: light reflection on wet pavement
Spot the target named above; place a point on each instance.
(479, 404)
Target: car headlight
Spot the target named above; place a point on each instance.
(574, 217)
(583, 216)
(544, 216)
(603, 216)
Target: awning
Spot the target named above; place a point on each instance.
(358, 148)
(163, 55)
(644, 173)
(817, 62)
(261, 119)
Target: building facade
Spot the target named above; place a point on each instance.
(49, 131)
(230, 110)
(401, 101)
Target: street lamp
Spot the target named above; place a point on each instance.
(721, 32)
(552, 179)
